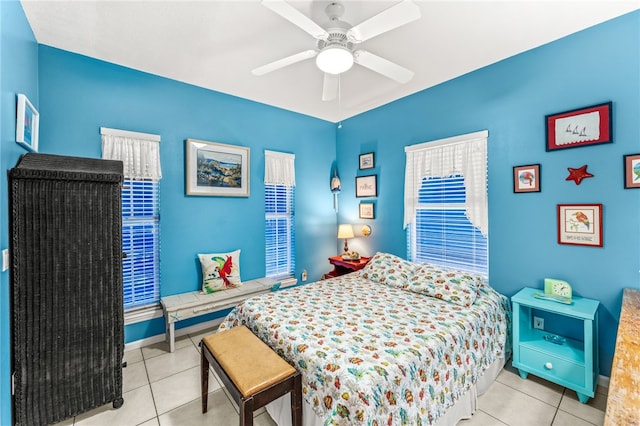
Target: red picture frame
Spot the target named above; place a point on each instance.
(580, 224)
(579, 127)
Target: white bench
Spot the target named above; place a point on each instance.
(188, 305)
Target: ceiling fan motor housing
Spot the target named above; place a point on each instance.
(337, 37)
(336, 28)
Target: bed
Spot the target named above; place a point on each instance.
(395, 343)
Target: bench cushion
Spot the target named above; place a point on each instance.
(247, 360)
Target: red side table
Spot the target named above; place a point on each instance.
(341, 266)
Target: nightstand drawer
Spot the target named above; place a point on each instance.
(549, 366)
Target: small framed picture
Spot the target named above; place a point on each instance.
(27, 124)
(367, 186)
(526, 178)
(367, 211)
(367, 161)
(632, 171)
(579, 127)
(580, 224)
(216, 169)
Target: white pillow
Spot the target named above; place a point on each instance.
(220, 271)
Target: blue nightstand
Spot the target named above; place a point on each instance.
(560, 359)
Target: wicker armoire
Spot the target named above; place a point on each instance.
(66, 286)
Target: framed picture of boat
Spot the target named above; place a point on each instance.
(579, 127)
(216, 169)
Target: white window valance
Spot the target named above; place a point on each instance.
(279, 168)
(465, 155)
(139, 152)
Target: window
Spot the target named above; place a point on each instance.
(442, 234)
(446, 203)
(279, 231)
(279, 201)
(140, 243)
(140, 156)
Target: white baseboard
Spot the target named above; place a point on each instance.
(159, 338)
(603, 381)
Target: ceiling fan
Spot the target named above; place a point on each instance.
(334, 51)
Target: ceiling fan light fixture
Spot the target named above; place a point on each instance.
(334, 59)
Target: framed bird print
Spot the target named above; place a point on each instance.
(580, 224)
(632, 171)
(526, 178)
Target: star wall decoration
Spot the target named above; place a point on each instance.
(578, 174)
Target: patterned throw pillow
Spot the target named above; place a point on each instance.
(460, 288)
(388, 269)
(220, 271)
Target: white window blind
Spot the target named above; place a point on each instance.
(279, 231)
(140, 243)
(441, 232)
(140, 154)
(279, 201)
(446, 203)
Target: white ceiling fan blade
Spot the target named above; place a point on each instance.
(394, 17)
(330, 86)
(382, 66)
(296, 17)
(281, 63)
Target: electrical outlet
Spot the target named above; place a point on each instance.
(5, 259)
(304, 275)
(538, 323)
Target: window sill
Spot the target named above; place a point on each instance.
(143, 314)
(288, 282)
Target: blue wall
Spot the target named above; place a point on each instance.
(18, 74)
(79, 95)
(510, 99)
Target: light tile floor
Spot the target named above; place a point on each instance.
(163, 389)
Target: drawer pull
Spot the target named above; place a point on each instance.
(548, 366)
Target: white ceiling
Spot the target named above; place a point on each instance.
(216, 44)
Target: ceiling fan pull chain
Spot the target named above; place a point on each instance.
(339, 101)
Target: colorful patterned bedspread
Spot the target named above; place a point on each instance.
(374, 354)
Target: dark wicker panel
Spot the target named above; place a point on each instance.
(66, 277)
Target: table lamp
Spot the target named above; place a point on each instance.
(345, 231)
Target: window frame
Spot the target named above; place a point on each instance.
(463, 159)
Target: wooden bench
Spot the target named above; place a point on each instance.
(251, 371)
(179, 307)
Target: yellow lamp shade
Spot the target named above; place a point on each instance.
(345, 231)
